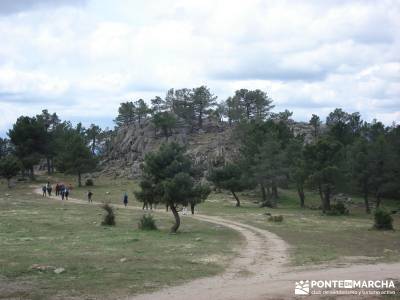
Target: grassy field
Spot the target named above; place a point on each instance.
(123, 260)
(98, 260)
(315, 238)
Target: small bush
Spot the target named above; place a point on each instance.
(275, 218)
(147, 222)
(89, 182)
(338, 209)
(109, 217)
(383, 220)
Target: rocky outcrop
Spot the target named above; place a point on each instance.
(213, 145)
(208, 147)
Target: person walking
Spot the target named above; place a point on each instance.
(62, 192)
(66, 193)
(125, 199)
(49, 188)
(89, 196)
(44, 191)
(57, 189)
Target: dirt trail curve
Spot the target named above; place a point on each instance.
(259, 271)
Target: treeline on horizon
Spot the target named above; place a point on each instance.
(346, 155)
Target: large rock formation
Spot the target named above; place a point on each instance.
(210, 146)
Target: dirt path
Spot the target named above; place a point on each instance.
(260, 270)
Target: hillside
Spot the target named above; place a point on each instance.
(211, 146)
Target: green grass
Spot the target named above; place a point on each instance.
(316, 238)
(36, 230)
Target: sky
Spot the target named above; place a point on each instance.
(81, 58)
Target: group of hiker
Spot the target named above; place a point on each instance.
(61, 190)
(47, 189)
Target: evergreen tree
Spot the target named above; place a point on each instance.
(165, 121)
(202, 100)
(29, 138)
(50, 123)
(315, 122)
(93, 134)
(126, 114)
(73, 156)
(324, 160)
(157, 105)
(234, 110)
(297, 166)
(142, 110)
(168, 178)
(9, 167)
(5, 147)
(230, 177)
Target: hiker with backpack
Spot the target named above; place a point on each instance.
(125, 199)
(89, 196)
(49, 188)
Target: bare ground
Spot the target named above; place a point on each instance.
(260, 270)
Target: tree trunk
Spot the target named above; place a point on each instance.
(321, 195)
(367, 208)
(52, 166)
(302, 197)
(378, 199)
(263, 194)
(366, 200)
(48, 165)
(32, 173)
(192, 208)
(327, 200)
(79, 179)
(175, 227)
(237, 199)
(201, 118)
(275, 191)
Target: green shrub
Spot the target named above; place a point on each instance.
(383, 220)
(338, 209)
(275, 218)
(147, 222)
(89, 182)
(109, 217)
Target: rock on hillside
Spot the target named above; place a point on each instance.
(129, 145)
(211, 146)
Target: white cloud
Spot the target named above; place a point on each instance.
(310, 56)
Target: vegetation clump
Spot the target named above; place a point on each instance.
(109, 217)
(338, 209)
(89, 182)
(147, 222)
(276, 219)
(383, 220)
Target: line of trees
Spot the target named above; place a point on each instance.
(193, 106)
(347, 155)
(64, 147)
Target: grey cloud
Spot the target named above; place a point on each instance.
(266, 72)
(26, 99)
(15, 6)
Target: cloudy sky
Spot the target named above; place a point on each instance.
(81, 58)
